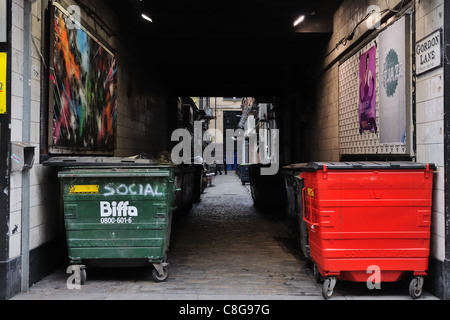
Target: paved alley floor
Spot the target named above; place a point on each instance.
(225, 249)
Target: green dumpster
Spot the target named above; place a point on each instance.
(119, 216)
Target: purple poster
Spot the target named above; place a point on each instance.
(368, 91)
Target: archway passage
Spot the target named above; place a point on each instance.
(244, 48)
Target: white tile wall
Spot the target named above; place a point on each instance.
(39, 203)
(430, 123)
(429, 109)
(325, 119)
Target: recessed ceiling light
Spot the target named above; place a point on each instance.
(146, 17)
(299, 20)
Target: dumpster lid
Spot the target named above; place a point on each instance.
(368, 165)
(293, 168)
(121, 172)
(70, 162)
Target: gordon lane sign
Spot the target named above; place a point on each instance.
(429, 53)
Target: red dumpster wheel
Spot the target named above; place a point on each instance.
(328, 287)
(415, 287)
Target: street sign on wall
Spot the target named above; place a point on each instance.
(429, 52)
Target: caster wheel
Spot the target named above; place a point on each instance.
(328, 287)
(415, 287)
(83, 276)
(160, 277)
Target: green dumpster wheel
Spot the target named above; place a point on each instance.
(415, 288)
(160, 278)
(83, 276)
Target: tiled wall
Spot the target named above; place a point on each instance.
(41, 185)
(430, 121)
(429, 98)
(325, 118)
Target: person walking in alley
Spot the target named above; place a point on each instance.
(218, 168)
(215, 168)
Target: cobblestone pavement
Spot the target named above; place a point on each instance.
(224, 249)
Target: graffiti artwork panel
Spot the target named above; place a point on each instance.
(83, 88)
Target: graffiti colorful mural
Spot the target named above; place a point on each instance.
(83, 84)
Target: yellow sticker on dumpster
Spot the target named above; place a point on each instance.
(3, 69)
(85, 189)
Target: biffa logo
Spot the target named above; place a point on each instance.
(114, 209)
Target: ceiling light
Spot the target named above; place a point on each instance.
(146, 17)
(299, 20)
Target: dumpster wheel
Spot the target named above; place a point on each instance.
(160, 272)
(328, 287)
(83, 275)
(415, 287)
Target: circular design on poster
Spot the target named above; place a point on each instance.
(390, 65)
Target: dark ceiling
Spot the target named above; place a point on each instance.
(228, 48)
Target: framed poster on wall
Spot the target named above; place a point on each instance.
(368, 90)
(393, 83)
(83, 90)
(390, 76)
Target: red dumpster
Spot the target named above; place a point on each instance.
(368, 221)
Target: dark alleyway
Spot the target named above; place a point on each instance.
(224, 249)
(226, 246)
